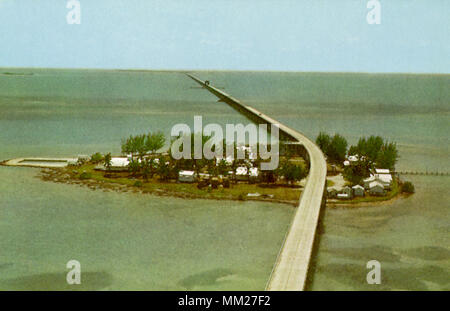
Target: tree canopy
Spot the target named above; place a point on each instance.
(387, 156)
(335, 148)
(142, 144)
(323, 140)
(376, 152)
(292, 172)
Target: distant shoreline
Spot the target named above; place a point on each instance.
(187, 70)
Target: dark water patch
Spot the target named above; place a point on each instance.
(428, 253)
(207, 278)
(366, 253)
(354, 275)
(57, 282)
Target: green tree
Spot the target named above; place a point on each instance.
(357, 172)
(353, 150)
(222, 167)
(373, 147)
(96, 158)
(323, 140)
(134, 167)
(107, 161)
(129, 145)
(142, 144)
(292, 172)
(154, 141)
(337, 149)
(367, 147)
(199, 164)
(163, 169)
(387, 156)
(408, 187)
(269, 176)
(146, 168)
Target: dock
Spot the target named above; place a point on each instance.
(40, 162)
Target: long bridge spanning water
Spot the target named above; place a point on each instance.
(291, 268)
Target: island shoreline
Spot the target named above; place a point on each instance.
(58, 175)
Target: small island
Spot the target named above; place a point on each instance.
(143, 168)
(357, 176)
(363, 173)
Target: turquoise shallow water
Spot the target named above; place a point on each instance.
(127, 241)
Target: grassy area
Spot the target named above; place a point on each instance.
(237, 191)
(330, 183)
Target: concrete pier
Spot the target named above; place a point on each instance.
(40, 162)
(291, 268)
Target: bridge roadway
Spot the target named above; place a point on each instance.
(291, 268)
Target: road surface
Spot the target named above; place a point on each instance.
(291, 268)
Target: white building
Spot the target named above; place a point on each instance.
(117, 164)
(382, 171)
(186, 176)
(385, 179)
(368, 181)
(353, 158)
(254, 173)
(241, 173)
(203, 175)
(358, 191)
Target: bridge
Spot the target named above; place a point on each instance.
(291, 268)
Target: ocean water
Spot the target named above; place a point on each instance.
(409, 237)
(129, 241)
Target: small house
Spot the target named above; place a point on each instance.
(117, 164)
(81, 159)
(382, 171)
(72, 162)
(385, 179)
(348, 191)
(376, 188)
(353, 158)
(358, 191)
(369, 180)
(332, 193)
(186, 176)
(203, 175)
(241, 173)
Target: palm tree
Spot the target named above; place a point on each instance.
(107, 161)
(155, 141)
(134, 167)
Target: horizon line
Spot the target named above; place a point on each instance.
(184, 70)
